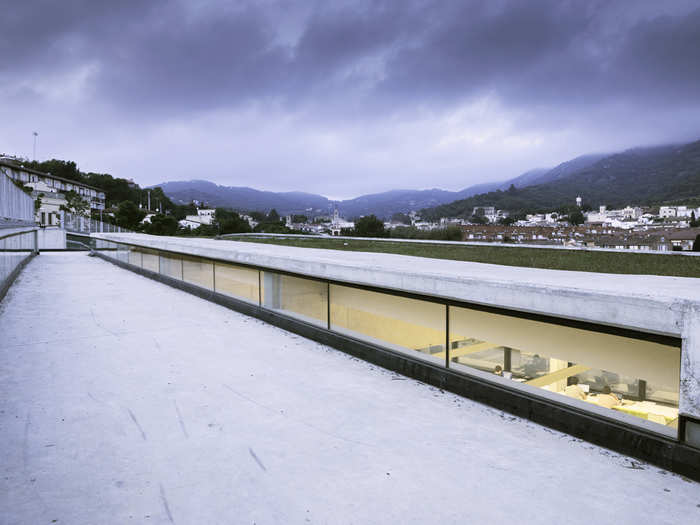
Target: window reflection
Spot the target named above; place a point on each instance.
(198, 271)
(630, 376)
(407, 325)
(134, 256)
(170, 265)
(304, 299)
(237, 281)
(149, 260)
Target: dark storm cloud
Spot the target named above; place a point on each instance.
(550, 52)
(379, 93)
(187, 57)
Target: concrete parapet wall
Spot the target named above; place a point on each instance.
(52, 239)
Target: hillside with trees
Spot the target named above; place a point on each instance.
(641, 176)
(116, 190)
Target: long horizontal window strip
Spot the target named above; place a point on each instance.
(631, 380)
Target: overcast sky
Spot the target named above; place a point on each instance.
(344, 98)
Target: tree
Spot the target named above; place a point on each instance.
(401, 217)
(576, 218)
(273, 216)
(66, 169)
(129, 215)
(478, 219)
(37, 202)
(506, 221)
(229, 221)
(696, 244)
(299, 218)
(693, 221)
(271, 227)
(452, 233)
(369, 226)
(75, 204)
(162, 225)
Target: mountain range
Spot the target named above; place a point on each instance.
(640, 176)
(637, 176)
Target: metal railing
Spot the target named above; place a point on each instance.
(75, 223)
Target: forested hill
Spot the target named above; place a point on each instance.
(640, 176)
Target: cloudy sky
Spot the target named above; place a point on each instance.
(344, 97)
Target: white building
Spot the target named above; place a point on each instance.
(632, 213)
(338, 224)
(191, 221)
(51, 190)
(600, 216)
(251, 222)
(451, 221)
(667, 212)
(484, 210)
(206, 216)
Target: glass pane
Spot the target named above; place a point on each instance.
(170, 265)
(631, 376)
(123, 253)
(407, 325)
(198, 271)
(150, 260)
(301, 298)
(135, 256)
(237, 281)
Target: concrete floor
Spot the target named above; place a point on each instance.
(125, 401)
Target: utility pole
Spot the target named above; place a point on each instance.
(34, 150)
(149, 200)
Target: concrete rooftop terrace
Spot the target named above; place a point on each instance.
(124, 400)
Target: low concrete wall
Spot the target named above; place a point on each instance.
(52, 239)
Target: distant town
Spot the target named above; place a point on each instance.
(664, 228)
(59, 200)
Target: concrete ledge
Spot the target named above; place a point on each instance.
(656, 304)
(656, 449)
